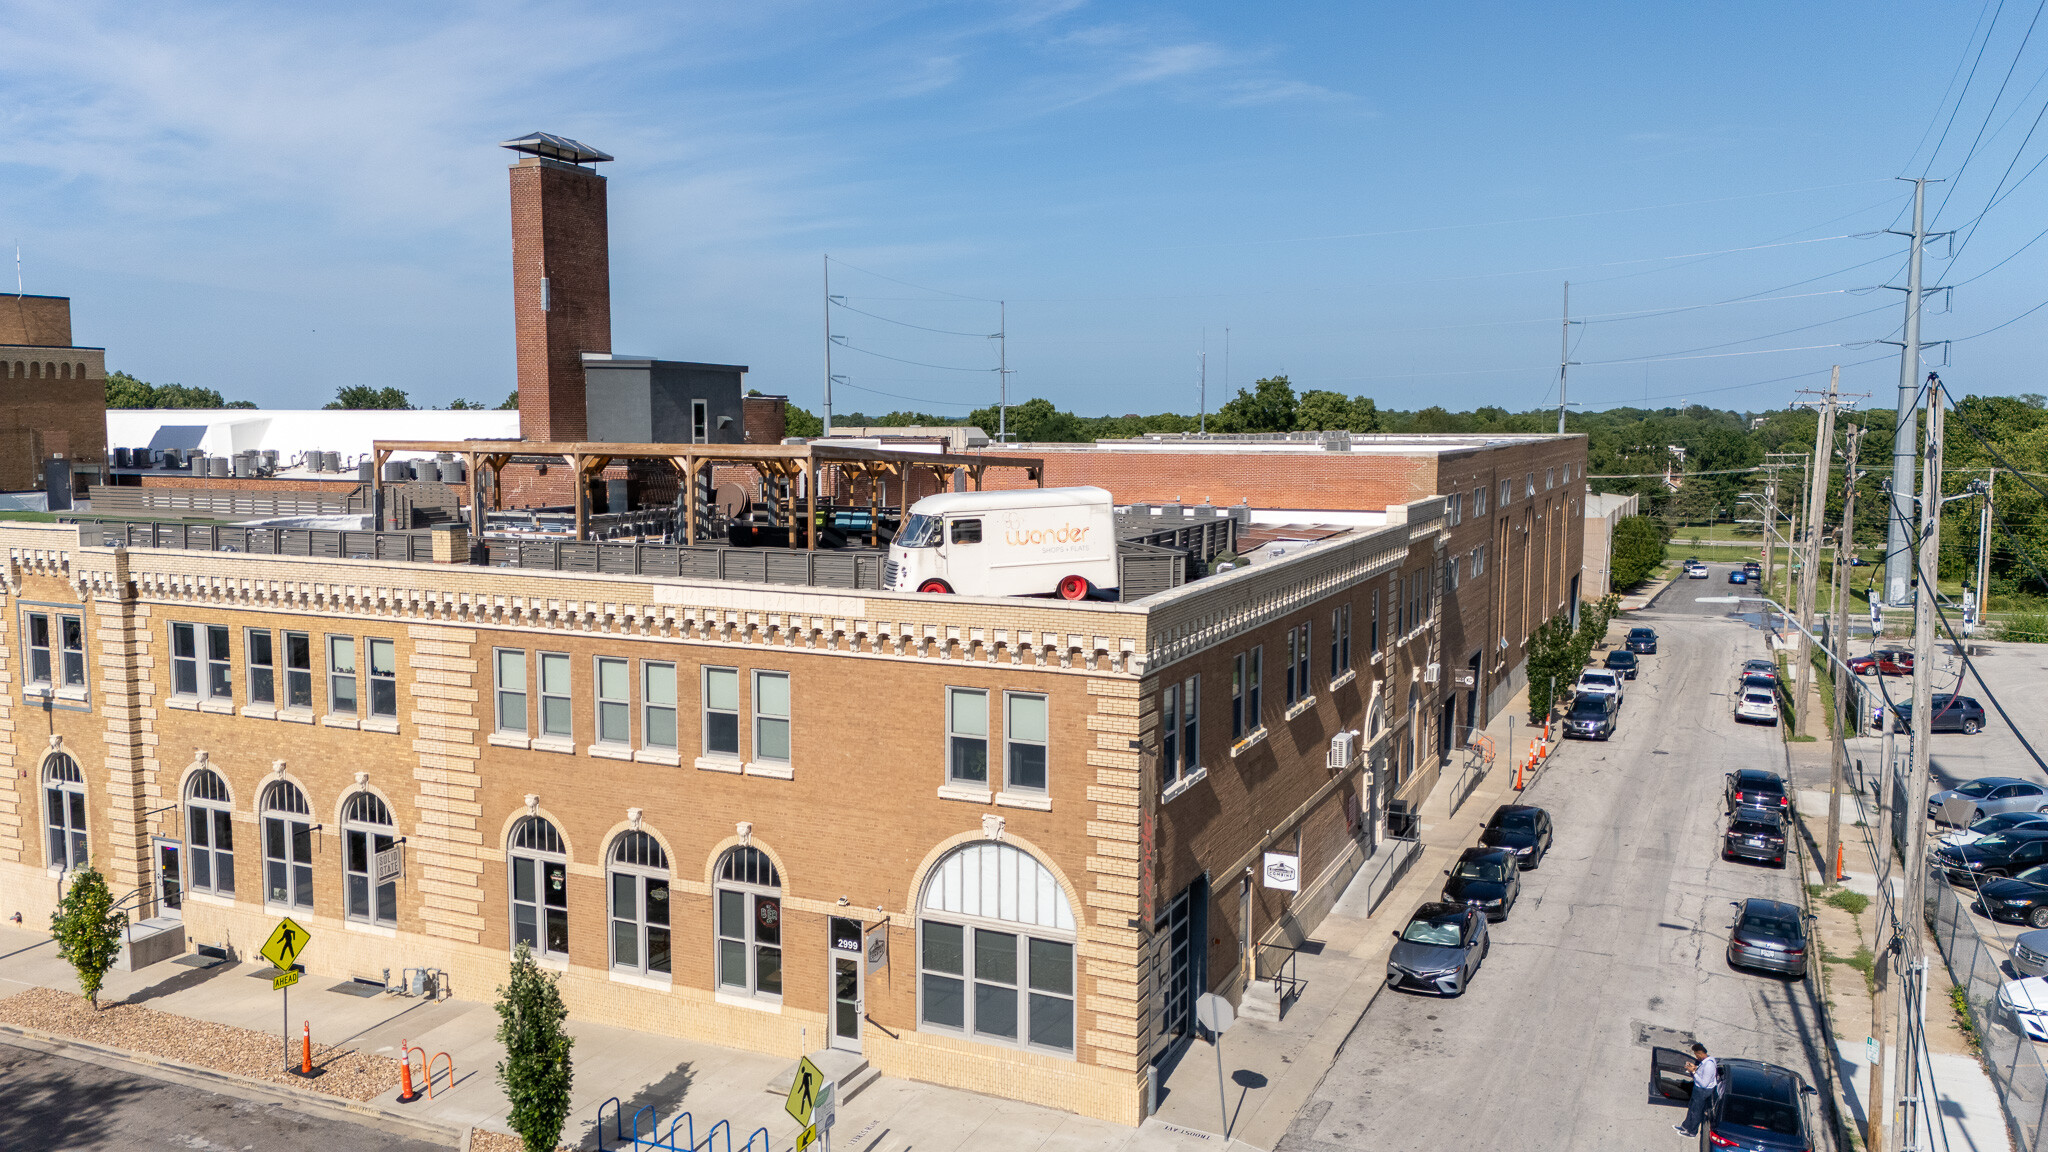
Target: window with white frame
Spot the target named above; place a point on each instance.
(1373, 625)
(184, 660)
(511, 688)
(658, 705)
(341, 675)
(383, 678)
(721, 712)
(298, 670)
(366, 830)
(64, 812)
(260, 660)
(1506, 493)
(1237, 687)
(71, 650)
(967, 736)
(287, 846)
(1302, 663)
(199, 661)
(1479, 501)
(614, 701)
(209, 834)
(749, 913)
(1530, 486)
(638, 883)
(1292, 690)
(1451, 574)
(1454, 504)
(557, 719)
(1479, 560)
(771, 717)
(539, 864)
(1549, 479)
(40, 646)
(1340, 640)
(996, 937)
(1024, 740)
(1180, 730)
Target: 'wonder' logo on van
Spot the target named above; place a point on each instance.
(1064, 534)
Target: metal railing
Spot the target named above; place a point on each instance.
(1978, 969)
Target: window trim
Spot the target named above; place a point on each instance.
(649, 707)
(290, 826)
(499, 692)
(294, 672)
(750, 893)
(352, 827)
(968, 978)
(67, 654)
(219, 816)
(59, 810)
(738, 751)
(389, 680)
(335, 676)
(953, 777)
(1010, 740)
(755, 756)
(188, 666)
(641, 919)
(250, 667)
(600, 703)
(540, 858)
(539, 697)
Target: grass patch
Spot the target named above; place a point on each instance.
(2025, 627)
(1854, 903)
(1960, 1001)
(1800, 739)
(1864, 961)
(35, 517)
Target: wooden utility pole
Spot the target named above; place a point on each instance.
(1809, 572)
(1983, 617)
(1770, 526)
(1838, 640)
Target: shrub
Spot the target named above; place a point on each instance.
(535, 1072)
(88, 930)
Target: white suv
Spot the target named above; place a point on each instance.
(1599, 680)
(1758, 705)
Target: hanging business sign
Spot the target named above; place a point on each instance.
(390, 864)
(1282, 872)
(878, 947)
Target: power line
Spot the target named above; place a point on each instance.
(842, 342)
(840, 302)
(908, 284)
(1971, 79)
(1956, 178)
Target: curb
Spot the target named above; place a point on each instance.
(233, 1084)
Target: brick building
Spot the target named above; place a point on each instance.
(53, 394)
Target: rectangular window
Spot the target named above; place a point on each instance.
(1549, 479)
(39, 648)
(614, 701)
(384, 678)
(943, 959)
(1530, 486)
(658, 705)
(71, 631)
(1456, 507)
(555, 719)
(966, 736)
(1024, 737)
(298, 670)
(1301, 663)
(184, 660)
(211, 834)
(511, 689)
(721, 712)
(1292, 689)
(1479, 560)
(1169, 735)
(700, 422)
(341, 675)
(1374, 625)
(1479, 501)
(219, 684)
(1020, 989)
(1506, 492)
(1237, 697)
(1340, 640)
(771, 716)
(1255, 683)
(1190, 725)
(1451, 575)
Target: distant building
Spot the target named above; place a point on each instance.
(53, 394)
(1603, 512)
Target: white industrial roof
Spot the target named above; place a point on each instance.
(293, 432)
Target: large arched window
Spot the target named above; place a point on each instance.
(996, 950)
(639, 905)
(749, 924)
(64, 805)
(540, 888)
(366, 830)
(210, 833)
(287, 846)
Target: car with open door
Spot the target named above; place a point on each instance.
(1758, 1107)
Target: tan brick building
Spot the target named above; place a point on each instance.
(53, 395)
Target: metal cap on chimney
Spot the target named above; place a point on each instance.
(551, 147)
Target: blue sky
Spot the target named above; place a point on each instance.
(277, 200)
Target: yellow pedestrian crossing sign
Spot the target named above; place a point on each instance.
(806, 1138)
(287, 942)
(803, 1091)
(284, 979)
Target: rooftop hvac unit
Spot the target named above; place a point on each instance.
(1433, 674)
(1343, 748)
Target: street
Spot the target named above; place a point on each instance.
(1617, 942)
(56, 1103)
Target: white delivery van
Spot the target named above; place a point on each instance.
(1021, 542)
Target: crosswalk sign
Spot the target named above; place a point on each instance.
(287, 942)
(803, 1091)
(806, 1138)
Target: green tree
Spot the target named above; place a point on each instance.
(535, 1073)
(1270, 406)
(1035, 421)
(461, 405)
(1321, 410)
(801, 422)
(1638, 549)
(362, 396)
(88, 930)
(125, 391)
(511, 403)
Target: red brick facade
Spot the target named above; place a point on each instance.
(561, 291)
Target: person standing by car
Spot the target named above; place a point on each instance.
(1706, 1076)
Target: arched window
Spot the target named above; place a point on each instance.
(996, 950)
(210, 833)
(749, 924)
(366, 830)
(64, 802)
(287, 846)
(540, 888)
(639, 905)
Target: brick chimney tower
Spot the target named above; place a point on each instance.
(561, 280)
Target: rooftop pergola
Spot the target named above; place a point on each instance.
(773, 461)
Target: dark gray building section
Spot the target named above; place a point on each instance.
(633, 400)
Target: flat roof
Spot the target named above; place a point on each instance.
(1399, 444)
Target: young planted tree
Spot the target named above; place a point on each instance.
(535, 1072)
(88, 930)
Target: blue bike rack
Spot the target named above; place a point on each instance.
(654, 1140)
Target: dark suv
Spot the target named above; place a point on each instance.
(1951, 713)
(1591, 717)
(1622, 663)
(1522, 829)
(1642, 641)
(1755, 834)
(1755, 788)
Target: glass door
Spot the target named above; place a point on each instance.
(845, 958)
(170, 882)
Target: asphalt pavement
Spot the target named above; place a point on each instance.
(57, 1103)
(1617, 943)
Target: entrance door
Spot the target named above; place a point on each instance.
(846, 982)
(170, 880)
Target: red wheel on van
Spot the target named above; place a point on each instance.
(1073, 588)
(935, 585)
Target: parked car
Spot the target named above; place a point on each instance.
(1696, 571)
(1755, 834)
(1642, 641)
(2018, 899)
(1978, 829)
(1523, 828)
(1489, 879)
(1755, 570)
(1592, 716)
(1763, 680)
(1769, 935)
(1992, 795)
(1884, 662)
(2026, 1001)
(1693, 561)
(1737, 576)
(1755, 788)
(1761, 667)
(1440, 950)
(2000, 854)
(1622, 663)
(1758, 706)
(1951, 713)
(2030, 953)
(1598, 680)
(1758, 1107)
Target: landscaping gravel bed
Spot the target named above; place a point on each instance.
(349, 1074)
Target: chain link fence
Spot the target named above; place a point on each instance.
(1979, 968)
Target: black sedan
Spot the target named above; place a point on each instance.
(2019, 899)
(1755, 788)
(1755, 834)
(1999, 854)
(1952, 713)
(1489, 879)
(1522, 829)
(1642, 641)
(1769, 936)
(1622, 663)
(1757, 1108)
(1592, 717)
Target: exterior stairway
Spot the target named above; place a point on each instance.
(146, 942)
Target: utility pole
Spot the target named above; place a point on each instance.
(1770, 524)
(1912, 1031)
(1899, 536)
(1003, 370)
(1838, 640)
(1564, 353)
(1202, 390)
(828, 344)
(1809, 575)
(1984, 552)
